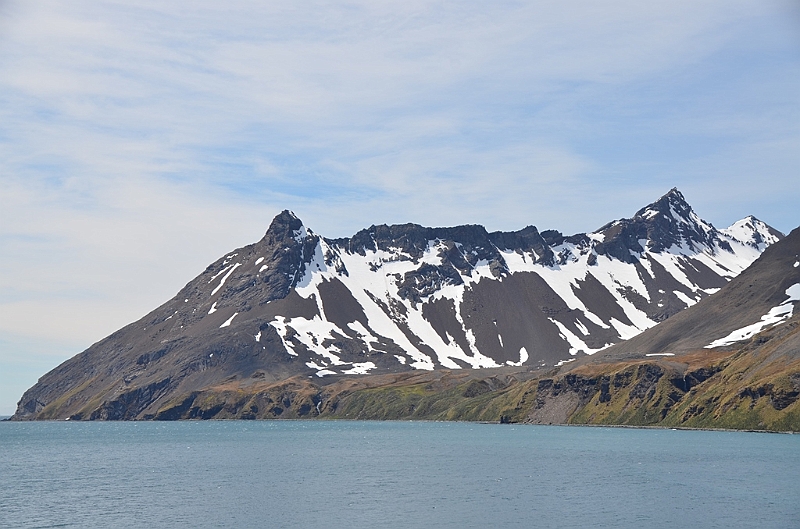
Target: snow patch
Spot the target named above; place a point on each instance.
(660, 354)
(300, 234)
(225, 278)
(218, 274)
(793, 292)
(625, 332)
(523, 357)
(213, 308)
(683, 297)
(360, 369)
(283, 332)
(576, 345)
(312, 333)
(775, 316)
(228, 321)
(649, 214)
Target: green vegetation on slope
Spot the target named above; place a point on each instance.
(754, 388)
(734, 391)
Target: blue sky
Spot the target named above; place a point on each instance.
(140, 141)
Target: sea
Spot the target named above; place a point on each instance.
(354, 474)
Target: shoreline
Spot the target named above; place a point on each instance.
(623, 426)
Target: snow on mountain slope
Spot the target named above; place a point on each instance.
(753, 232)
(764, 297)
(462, 297)
(775, 316)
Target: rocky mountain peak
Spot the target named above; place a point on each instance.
(284, 226)
(673, 204)
(290, 247)
(258, 273)
(668, 224)
(671, 222)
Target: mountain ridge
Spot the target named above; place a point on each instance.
(395, 298)
(752, 383)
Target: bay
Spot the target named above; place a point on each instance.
(391, 474)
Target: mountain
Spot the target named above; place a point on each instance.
(392, 299)
(730, 361)
(751, 382)
(760, 298)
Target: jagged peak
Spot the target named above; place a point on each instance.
(754, 223)
(285, 225)
(753, 232)
(669, 222)
(286, 217)
(672, 205)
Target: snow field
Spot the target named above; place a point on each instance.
(775, 316)
(372, 282)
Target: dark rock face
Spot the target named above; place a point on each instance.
(129, 404)
(525, 240)
(668, 222)
(464, 248)
(633, 395)
(387, 300)
(427, 280)
(291, 250)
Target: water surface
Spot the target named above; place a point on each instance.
(391, 474)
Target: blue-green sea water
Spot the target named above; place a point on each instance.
(391, 474)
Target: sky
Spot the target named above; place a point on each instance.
(142, 140)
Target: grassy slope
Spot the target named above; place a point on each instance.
(743, 389)
(755, 387)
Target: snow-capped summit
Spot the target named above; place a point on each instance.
(753, 232)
